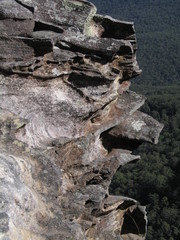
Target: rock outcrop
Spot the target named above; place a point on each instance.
(67, 122)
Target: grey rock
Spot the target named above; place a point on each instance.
(10, 9)
(66, 13)
(67, 122)
(4, 222)
(139, 126)
(16, 28)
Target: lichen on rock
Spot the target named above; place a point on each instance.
(68, 121)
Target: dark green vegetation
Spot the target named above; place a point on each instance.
(158, 36)
(155, 180)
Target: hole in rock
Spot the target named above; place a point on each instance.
(112, 29)
(78, 59)
(98, 59)
(95, 211)
(40, 26)
(29, 69)
(89, 203)
(40, 46)
(37, 61)
(125, 50)
(94, 181)
(95, 170)
(125, 205)
(51, 62)
(111, 142)
(82, 80)
(105, 173)
(134, 222)
(98, 213)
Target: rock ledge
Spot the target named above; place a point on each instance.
(68, 121)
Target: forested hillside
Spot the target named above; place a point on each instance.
(158, 35)
(155, 179)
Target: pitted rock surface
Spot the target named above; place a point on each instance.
(68, 121)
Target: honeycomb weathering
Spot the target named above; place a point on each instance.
(68, 121)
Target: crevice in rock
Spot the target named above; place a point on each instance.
(111, 142)
(83, 49)
(90, 115)
(113, 29)
(30, 8)
(103, 175)
(98, 213)
(83, 81)
(134, 222)
(126, 52)
(40, 46)
(98, 59)
(94, 212)
(21, 129)
(90, 204)
(41, 26)
(94, 181)
(125, 204)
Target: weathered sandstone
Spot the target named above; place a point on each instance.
(68, 121)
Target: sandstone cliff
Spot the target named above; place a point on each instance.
(67, 122)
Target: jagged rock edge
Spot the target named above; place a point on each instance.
(99, 115)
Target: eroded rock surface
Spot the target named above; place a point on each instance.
(68, 121)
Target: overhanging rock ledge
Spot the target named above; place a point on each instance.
(67, 122)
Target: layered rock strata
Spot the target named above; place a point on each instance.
(67, 122)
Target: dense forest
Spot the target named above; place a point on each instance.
(155, 180)
(158, 36)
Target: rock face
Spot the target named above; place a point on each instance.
(67, 122)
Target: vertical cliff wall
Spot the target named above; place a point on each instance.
(68, 121)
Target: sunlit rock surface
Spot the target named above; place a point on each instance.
(67, 122)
